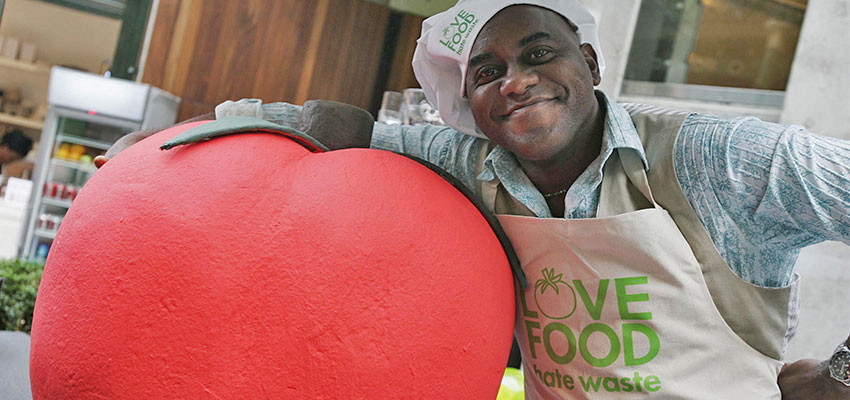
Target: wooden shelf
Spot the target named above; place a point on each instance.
(37, 67)
(21, 121)
(42, 72)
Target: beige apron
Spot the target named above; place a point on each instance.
(618, 307)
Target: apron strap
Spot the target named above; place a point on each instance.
(625, 186)
(633, 166)
(489, 189)
(486, 189)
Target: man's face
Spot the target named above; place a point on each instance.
(7, 155)
(530, 82)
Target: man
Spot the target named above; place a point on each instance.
(660, 245)
(13, 147)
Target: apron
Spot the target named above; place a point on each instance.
(618, 307)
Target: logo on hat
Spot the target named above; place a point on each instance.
(457, 33)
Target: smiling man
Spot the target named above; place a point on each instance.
(695, 220)
(661, 244)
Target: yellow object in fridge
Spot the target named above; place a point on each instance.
(63, 151)
(76, 152)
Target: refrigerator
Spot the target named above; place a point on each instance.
(86, 114)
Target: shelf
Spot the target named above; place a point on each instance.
(21, 121)
(37, 67)
(56, 202)
(97, 144)
(72, 164)
(43, 233)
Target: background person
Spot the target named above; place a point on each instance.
(13, 147)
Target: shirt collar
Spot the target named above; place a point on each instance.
(620, 131)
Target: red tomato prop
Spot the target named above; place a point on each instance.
(248, 267)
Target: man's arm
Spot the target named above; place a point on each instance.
(336, 125)
(765, 190)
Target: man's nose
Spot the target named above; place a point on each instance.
(517, 81)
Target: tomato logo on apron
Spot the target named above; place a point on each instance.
(563, 301)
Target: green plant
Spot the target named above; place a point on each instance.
(17, 294)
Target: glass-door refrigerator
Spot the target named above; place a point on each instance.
(86, 114)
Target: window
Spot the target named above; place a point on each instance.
(133, 16)
(718, 50)
(107, 8)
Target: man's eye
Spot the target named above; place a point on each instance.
(485, 74)
(539, 53)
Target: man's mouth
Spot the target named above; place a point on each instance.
(526, 107)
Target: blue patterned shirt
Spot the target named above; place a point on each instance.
(762, 190)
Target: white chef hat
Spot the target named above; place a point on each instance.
(442, 51)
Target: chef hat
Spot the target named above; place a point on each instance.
(442, 51)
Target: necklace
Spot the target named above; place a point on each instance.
(548, 195)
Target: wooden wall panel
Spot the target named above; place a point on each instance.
(166, 17)
(208, 51)
(284, 68)
(348, 52)
(401, 75)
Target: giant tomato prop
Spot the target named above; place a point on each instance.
(249, 267)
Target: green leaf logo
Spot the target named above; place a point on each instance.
(552, 297)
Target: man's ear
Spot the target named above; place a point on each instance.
(590, 59)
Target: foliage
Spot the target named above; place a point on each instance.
(17, 295)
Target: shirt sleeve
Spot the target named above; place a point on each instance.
(440, 145)
(763, 191)
(283, 114)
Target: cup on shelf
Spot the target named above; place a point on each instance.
(411, 111)
(66, 192)
(56, 219)
(72, 192)
(416, 109)
(42, 221)
(50, 189)
(390, 112)
(49, 222)
(60, 191)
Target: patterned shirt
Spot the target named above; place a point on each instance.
(762, 190)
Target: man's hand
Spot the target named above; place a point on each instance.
(121, 144)
(809, 379)
(337, 125)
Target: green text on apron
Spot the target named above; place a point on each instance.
(617, 307)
